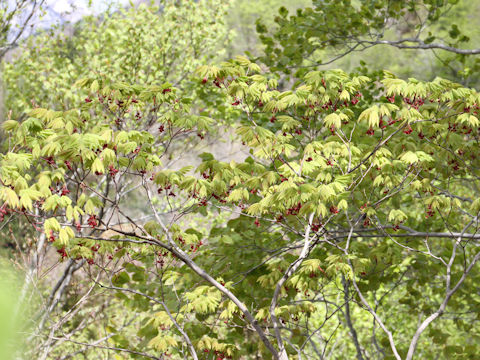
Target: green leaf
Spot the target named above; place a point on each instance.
(121, 278)
(51, 224)
(10, 125)
(98, 166)
(10, 197)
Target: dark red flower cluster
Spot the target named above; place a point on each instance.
(415, 102)
(333, 209)
(92, 221)
(408, 130)
(62, 252)
(294, 210)
(3, 211)
(112, 171)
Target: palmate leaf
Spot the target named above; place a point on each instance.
(97, 166)
(371, 116)
(10, 125)
(51, 224)
(65, 235)
(333, 120)
(468, 119)
(409, 157)
(9, 196)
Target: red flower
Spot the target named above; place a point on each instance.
(112, 171)
(65, 191)
(408, 130)
(92, 221)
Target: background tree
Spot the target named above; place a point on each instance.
(414, 38)
(242, 22)
(15, 18)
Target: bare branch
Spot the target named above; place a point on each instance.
(167, 310)
(353, 332)
(420, 45)
(172, 247)
(291, 269)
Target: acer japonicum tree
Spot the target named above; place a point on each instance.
(354, 217)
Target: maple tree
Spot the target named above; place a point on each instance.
(349, 229)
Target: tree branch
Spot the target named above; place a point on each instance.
(291, 269)
(172, 247)
(167, 310)
(420, 45)
(353, 332)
